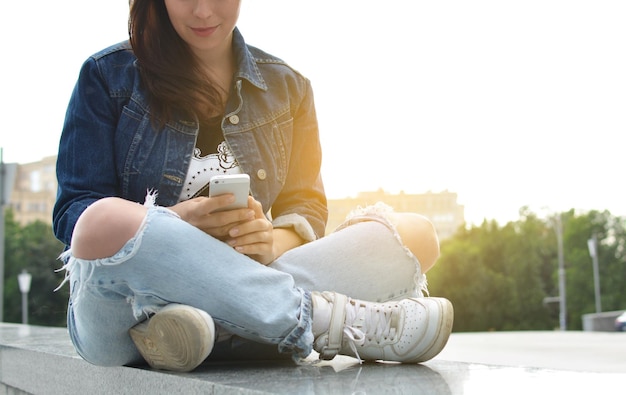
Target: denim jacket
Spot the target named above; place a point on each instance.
(109, 146)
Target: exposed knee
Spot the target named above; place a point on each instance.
(105, 226)
(419, 235)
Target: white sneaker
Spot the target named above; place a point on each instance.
(411, 330)
(176, 338)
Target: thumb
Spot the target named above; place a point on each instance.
(256, 206)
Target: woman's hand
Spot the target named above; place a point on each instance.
(247, 230)
(254, 238)
(259, 240)
(199, 212)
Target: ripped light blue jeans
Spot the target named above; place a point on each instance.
(171, 261)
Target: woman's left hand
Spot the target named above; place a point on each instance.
(254, 238)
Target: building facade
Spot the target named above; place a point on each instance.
(34, 190)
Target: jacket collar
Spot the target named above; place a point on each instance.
(246, 63)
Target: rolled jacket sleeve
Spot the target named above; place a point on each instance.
(298, 224)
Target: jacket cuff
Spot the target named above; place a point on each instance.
(298, 223)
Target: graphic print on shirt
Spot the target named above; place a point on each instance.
(202, 168)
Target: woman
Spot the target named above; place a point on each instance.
(168, 280)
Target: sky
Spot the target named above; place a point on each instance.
(506, 103)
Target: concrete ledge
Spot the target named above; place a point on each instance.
(41, 360)
(600, 322)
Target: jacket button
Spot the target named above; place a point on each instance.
(234, 119)
(262, 174)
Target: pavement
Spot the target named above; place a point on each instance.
(38, 360)
(599, 352)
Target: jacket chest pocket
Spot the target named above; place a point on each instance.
(264, 153)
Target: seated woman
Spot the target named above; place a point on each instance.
(165, 281)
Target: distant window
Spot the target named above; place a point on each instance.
(35, 181)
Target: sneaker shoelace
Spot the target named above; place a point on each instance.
(365, 322)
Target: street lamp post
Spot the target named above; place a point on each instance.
(562, 298)
(592, 244)
(24, 279)
(2, 193)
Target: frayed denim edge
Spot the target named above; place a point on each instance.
(127, 251)
(379, 212)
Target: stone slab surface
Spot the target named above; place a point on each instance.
(602, 352)
(42, 360)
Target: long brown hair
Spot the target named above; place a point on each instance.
(169, 70)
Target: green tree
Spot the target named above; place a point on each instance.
(35, 249)
(498, 277)
(610, 234)
(493, 276)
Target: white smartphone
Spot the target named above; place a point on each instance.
(237, 184)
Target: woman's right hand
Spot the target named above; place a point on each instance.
(200, 212)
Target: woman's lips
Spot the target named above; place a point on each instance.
(204, 31)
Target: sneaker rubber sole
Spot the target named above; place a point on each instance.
(177, 338)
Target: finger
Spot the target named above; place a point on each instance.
(256, 206)
(259, 249)
(215, 203)
(232, 217)
(250, 239)
(251, 227)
